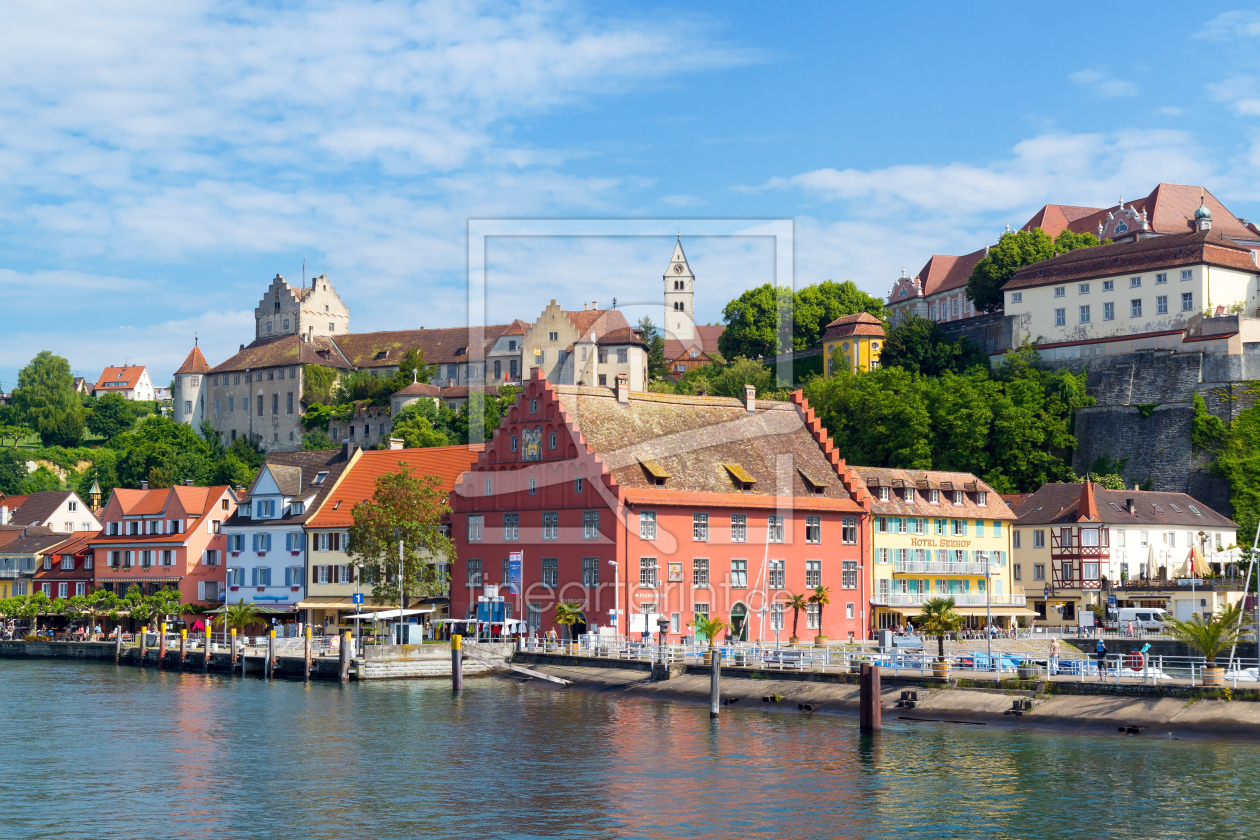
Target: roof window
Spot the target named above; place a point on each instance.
(1157, 508)
(1195, 510)
(740, 476)
(1174, 507)
(1117, 507)
(336, 504)
(655, 473)
(384, 354)
(319, 478)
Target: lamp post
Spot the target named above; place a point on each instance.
(662, 625)
(988, 612)
(616, 596)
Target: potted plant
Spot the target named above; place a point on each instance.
(1208, 637)
(710, 627)
(937, 619)
(797, 603)
(822, 599)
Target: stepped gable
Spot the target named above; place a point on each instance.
(449, 345)
(194, 363)
(1206, 246)
(285, 350)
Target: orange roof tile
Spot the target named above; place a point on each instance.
(359, 482)
(113, 375)
(195, 363)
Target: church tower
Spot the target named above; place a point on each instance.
(680, 314)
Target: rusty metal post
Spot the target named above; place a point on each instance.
(457, 662)
(715, 680)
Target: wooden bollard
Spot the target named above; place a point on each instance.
(271, 655)
(205, 659)
(870, 718)
(343, 672)
(232, 653)
(183, 647)
(715, 680)
(162, 645)
(306, 655)
(457, 662)
(117, 644)
(144, 643)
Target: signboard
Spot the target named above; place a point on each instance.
(1189, 582)
(1111, 600)
(491, 611)
(1086, 618)
(1046, 592)
(356, 598)
(515, 560)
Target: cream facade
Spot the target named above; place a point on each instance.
(307, 311)
(938, 534)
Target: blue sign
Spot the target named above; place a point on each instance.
(356, 598)
(1046, 592)
(492, 611)
(1111, 600)
(514, 572)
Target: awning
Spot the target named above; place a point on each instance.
(112, 579)
(263, 609)
(327, 602)
(383, 615)
(994, 611)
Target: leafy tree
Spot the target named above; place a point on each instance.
(46, 401)
(1209, 637)
(729, 381)
(43, 480)
(150, 609)
(710, 627)
(317, 383)
(103, 471)
(816, 306)
(416, 429)
(411, 368)
(111, 414)
(14, 433)
(1206, 429)
(406, 509)
(317, 417)
(12, 472)
(1069, 241)
(317, 440)
(568, 613)
(176, 451)
(656, 348)
(918, 345)
(797, 603)
(938, 619)
(241, 615)
(756, 322)
(878, 418)
(1238, 462)
(1012, 252)
(821, 597)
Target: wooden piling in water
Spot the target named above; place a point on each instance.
(715, 679)
(183, 647)
(869, 711)
(344, 666)
(457, 663)
(306, 655)
(144, 643)
(118, 645)
(270, 668)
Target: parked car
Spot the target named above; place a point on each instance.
(1150, 618)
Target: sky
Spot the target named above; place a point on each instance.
(160, 162)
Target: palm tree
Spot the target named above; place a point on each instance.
(568, 613)
(938, 618)
(709, 626)
(822, 599)
(240, 615)
(797, 603)
(1208, 637)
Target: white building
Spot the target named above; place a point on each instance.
(132, 381)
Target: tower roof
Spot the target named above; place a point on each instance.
(678, 266)
(195, 363)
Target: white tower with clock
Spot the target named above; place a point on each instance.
(680, 314)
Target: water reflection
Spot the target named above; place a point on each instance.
(105, 751)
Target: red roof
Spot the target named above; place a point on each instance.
(111, 376)
(861, 323)
(195, 363)
(1055, 218)
(359, 481)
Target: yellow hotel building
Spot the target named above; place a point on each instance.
(853, 343)
(942, 534)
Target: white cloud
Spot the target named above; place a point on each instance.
(1170, 111)
(1231, 25)
(683, 200)
(1102, 84)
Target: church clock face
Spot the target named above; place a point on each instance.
(678, 268)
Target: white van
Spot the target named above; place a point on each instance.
(1150, 618)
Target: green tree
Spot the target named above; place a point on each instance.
(1238, 462)
(816, 306)
(1206, 429)
(1013, 251)
(656, 347)
(411, 368)
(918, 345)
(568, 613)
(12, 472)
(111, 414)
(756, 323)
(151, 609)
(820, 597)
(939, 618)
(710, 627)
(242, 615)
(729, 381)
(877, 418)
(317, 440)
(43, 480)
(317, 383)
(1069, 241)
(1209, 637)
(797, 604)
(416, 429)
(404, 508)
(46, 401)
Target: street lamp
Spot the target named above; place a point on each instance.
(616, 596)
(662, 625)
(988, 612)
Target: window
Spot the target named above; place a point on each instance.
(1135, 308)
(1039, 538)
(1135, 282)
(739, 528)
(813, 573)
(775, 576)
(1060, 317)
(979, 527)
(1187, 301)
(260, 576)
(577, 484)
(1161, 305)
(647, 525)
(551, 441)
(1016, 297)
(67, 562)
(813, 530)
(590, 571)
(533, 487)
(959, 527)
(848, 574)
(1161, 278)
(907, 494)
(475, 522)
(1109, 312)
(812, 613)
(776, 616)
(700, 527)
(590, 524)
(775, 526)
(1015, 538)
(1187, 274)
(473, 575)
(739, 574)
(511, 527)
(700, 573)
(623, 355)
(959, 497)
(1082, 289)
(290, 398)
(1060, 291)
(551, 526)
(1085, 314)
(647, 571)
(550, 572)
(1039, 571)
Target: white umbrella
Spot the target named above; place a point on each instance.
(1150, 563)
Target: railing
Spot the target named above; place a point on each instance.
(933, 567)
(9, 574)
(965, 599)
(1148, 584)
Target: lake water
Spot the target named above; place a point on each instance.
(92, 750)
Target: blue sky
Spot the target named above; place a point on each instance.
(160, 162)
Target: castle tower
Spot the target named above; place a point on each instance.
(309, 311)
(680, 313)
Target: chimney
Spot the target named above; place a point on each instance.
(750, 399)
(1137, 488)
(594, 305)
(623, 389)
(1128, 504)
(144, 485)
(450, 383)
(4, 515)
(395, 443)
(188, 482)
(584, 306)
(347, 449)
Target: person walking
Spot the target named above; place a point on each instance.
(1101, 652)
(1054, 656)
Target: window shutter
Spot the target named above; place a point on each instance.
(253, 576)
(288, 579)
(201, 590)
(255, 542)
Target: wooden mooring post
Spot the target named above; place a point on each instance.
(306, 655)
(343, 666)
(457, 662)
(270, 667)
(715, 680)
(869, 711)
(117, 644)
(144, 643)
(183, 647)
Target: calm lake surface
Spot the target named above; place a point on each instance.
(92, 750)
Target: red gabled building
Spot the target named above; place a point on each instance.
(704, 504)
(66, 570)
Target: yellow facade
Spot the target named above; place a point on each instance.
(855, 352)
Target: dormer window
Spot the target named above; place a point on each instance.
(934, 496)
(264, 508)
(958, 497)
(908, 495)
(297, 508)
(883, 494)
(740, 476)
(982, 498)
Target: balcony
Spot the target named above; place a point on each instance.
(901, 567)
(1160, 584)
(969, 599)
(9, 574)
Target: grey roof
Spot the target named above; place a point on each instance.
(33, 543)
(1059, 503)
(295, 473)
(37, 507)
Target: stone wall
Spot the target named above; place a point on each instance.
(1157, 446)
(993, 331)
